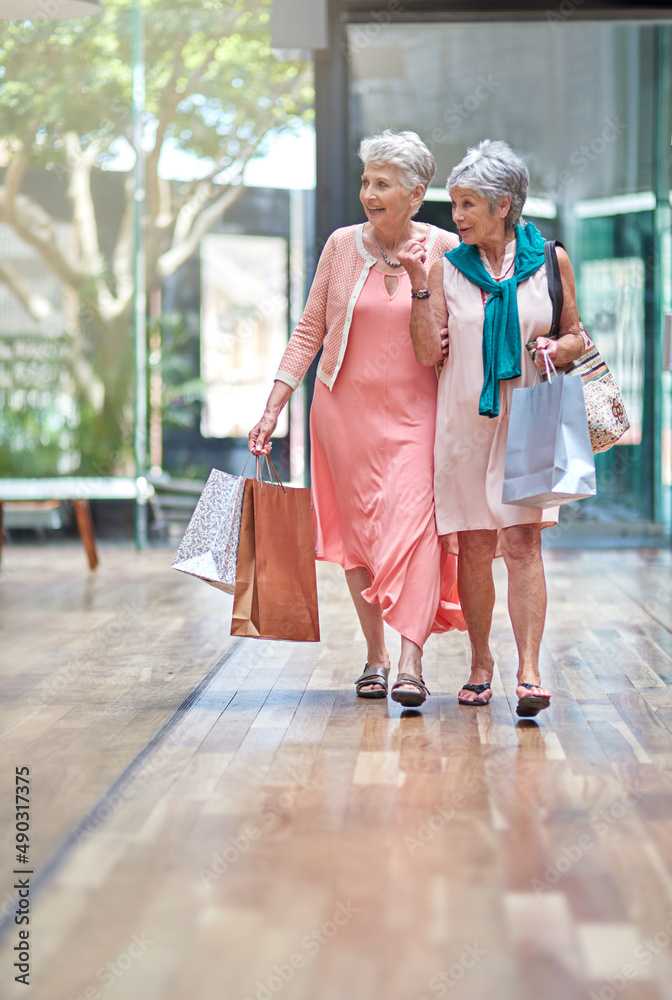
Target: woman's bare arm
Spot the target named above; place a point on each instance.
(569, 346)
(259, 437)
(429, 315)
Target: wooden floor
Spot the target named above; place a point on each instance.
(218, 819)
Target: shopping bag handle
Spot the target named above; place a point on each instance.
(258, 470)
(551, 370)
(269, 466)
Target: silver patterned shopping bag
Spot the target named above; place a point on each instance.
(209, 549)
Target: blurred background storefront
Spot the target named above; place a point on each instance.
(582, 91)
(156, 203)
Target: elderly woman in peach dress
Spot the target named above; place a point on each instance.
(492, 295)
(373, 418)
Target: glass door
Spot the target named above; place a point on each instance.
(585, 106)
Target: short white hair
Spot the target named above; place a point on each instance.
(403, 150)
(494, 171)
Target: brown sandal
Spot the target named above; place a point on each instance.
(410, 699)
(373, 675)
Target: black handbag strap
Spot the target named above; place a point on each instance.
(554, 285)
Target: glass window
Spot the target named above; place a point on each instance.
(578, 102)
(243, 329)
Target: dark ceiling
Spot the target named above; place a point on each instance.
(409, 10)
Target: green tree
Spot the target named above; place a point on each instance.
(213, 88)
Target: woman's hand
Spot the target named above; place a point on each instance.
(258, 440)
(561, 352)
(444, 342)
(414, 258)
(548, 345)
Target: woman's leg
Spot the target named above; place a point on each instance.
(371, 620)
(521, 548)
(477, 598)
(410, 662)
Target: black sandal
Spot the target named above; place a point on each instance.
(373, 675)
(477, 689)
(531, 704)
(409, 699)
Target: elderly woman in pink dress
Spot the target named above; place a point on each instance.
(492, 295)
(373, 418)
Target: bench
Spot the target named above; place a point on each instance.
(80, 490)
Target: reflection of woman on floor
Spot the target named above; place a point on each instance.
(487, 360)
(373, 418)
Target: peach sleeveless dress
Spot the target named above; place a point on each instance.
(372, 440)
(470, 449)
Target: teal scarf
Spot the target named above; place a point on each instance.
(501, 327)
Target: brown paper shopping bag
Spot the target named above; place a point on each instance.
(276, 587)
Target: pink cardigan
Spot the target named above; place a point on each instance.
(341, 272)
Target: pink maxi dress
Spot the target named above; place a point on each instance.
(372, 440)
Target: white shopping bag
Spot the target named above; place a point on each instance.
(209, 549)
(549, 456)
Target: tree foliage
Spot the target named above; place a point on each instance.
(213, 89)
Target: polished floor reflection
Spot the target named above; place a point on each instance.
(221, 819)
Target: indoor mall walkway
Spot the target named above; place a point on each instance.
(218, 819)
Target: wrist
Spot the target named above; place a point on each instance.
(418, 281)
(569, 347)
(418, 278)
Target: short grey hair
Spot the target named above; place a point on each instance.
(403, 150)
(494, 171)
